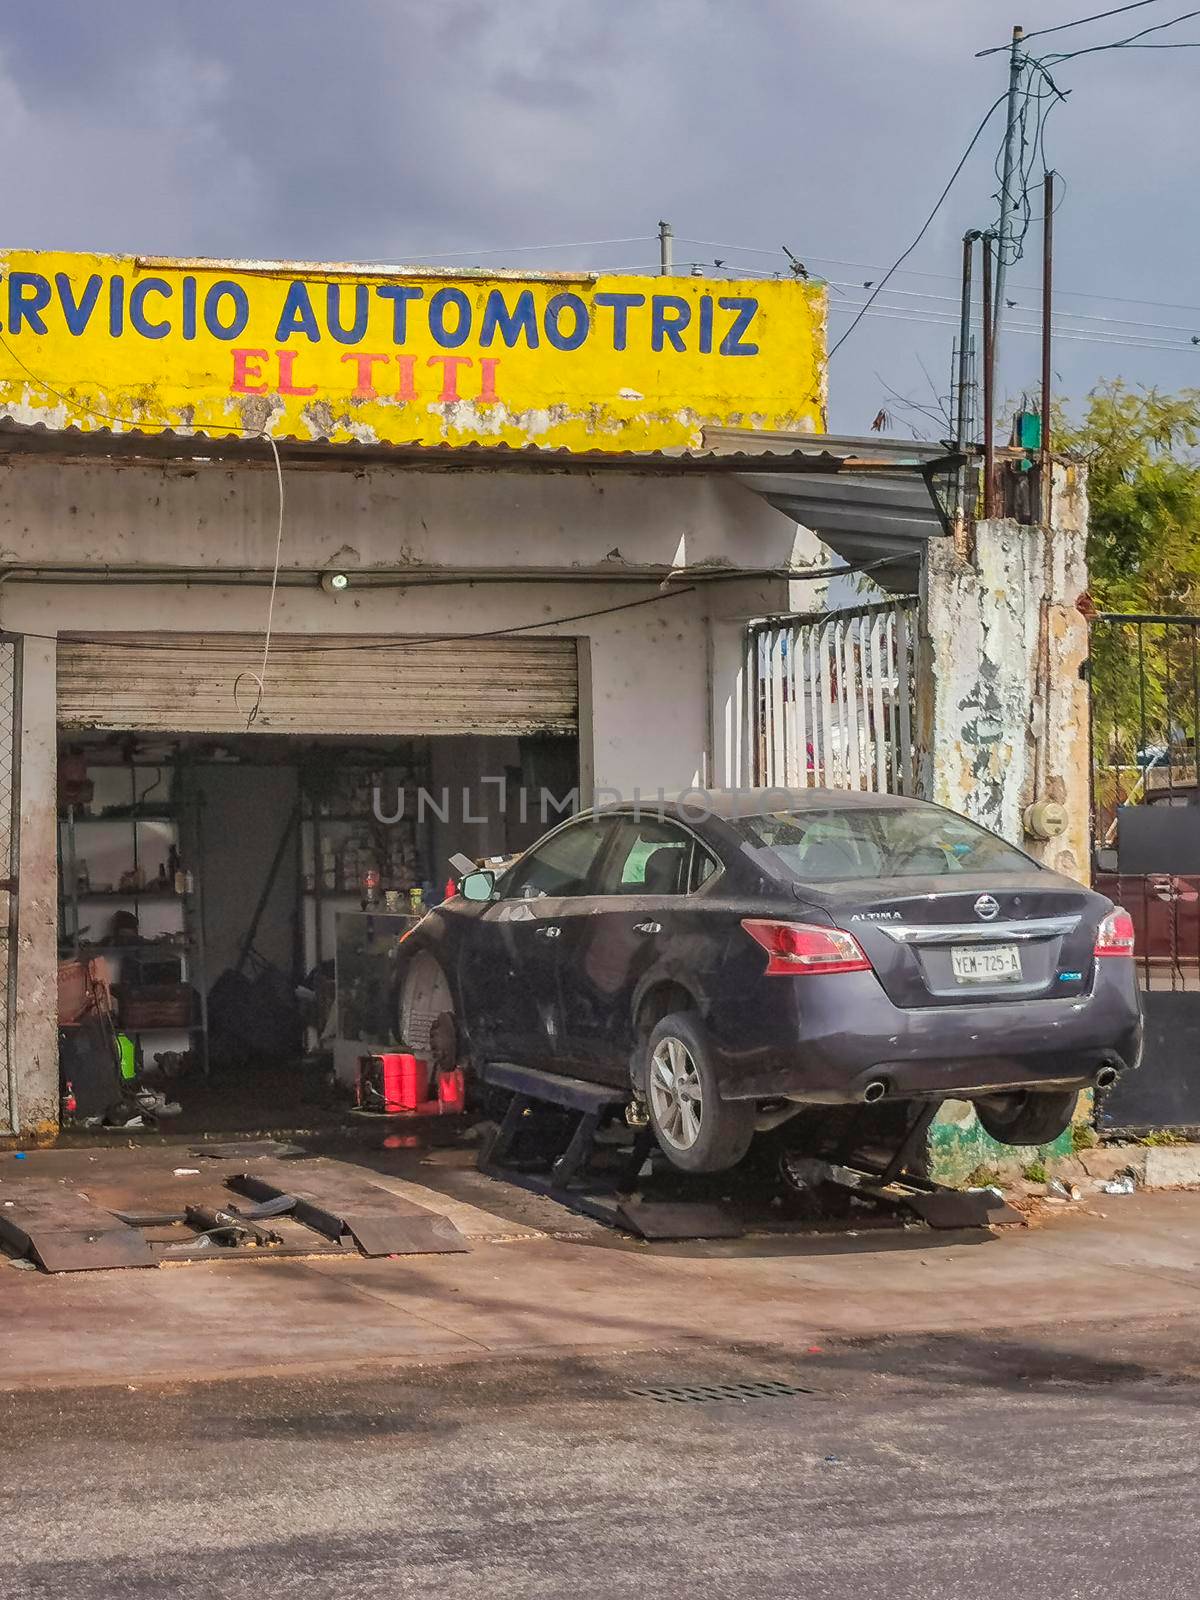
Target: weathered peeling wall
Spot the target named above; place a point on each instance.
(1003, 722)
(1002, 705)
(34, 1037)
(214, 518)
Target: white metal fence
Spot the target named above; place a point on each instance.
(833, 700)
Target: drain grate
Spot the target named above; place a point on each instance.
(683, 1393)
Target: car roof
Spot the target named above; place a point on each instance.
(738, 803)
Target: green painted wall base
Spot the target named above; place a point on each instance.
(957, 1147)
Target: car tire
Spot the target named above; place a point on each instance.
(425, 995)
(1027, 1117)
(696, 1130)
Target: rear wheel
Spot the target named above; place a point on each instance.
(696, 1129)
(1026, 1117)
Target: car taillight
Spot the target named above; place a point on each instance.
(1114, 937)
(795, 947)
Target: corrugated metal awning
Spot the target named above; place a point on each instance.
(870, 500)
(323, 684)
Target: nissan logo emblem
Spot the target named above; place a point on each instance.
(987, 907)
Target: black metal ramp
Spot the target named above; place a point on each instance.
(63, 1232)
(336, 1203)
(536, 1155)
(564, 1174)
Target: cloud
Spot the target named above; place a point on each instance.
(388, 129)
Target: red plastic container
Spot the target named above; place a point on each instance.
(451, 1091)
(393, 1082)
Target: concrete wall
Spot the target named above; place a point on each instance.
(1003, 707)
(1003, 720)
(209, 517)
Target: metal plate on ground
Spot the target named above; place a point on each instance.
(958, 1208)
(63, 1232)
(248, 1149)
(664, 1219)
(338, 1202)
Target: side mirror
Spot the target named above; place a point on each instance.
(478, 886)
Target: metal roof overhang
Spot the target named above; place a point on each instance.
(881, 503)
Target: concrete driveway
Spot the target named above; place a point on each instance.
(539, 1280)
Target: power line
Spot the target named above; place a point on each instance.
(946, 277)
(1075, 316)
(522, 249)
(1135, 5)
(904, 255)
(1123, 44)
(937, 319)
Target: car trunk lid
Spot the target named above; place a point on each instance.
(988, 938)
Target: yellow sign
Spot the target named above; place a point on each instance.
(573, 361)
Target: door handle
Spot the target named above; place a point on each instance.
(647, 927)
(551, 932)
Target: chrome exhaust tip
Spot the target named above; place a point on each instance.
(875, 1090)
(1106, 1077)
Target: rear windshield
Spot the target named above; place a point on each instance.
(824, 846)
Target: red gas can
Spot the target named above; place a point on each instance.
(451, 1097)
(393, 1082)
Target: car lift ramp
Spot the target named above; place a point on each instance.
(516, 1155)
(63, 1232)
(893, 1185)
(567, 1176)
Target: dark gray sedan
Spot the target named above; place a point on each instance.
(738, 953)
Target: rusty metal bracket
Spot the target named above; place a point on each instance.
(340, 1203)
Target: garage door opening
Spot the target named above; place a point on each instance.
(234, 902)
(232, 886)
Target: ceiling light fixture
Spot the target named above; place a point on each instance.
(334, 582)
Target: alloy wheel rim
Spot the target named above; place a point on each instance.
(675, 1093)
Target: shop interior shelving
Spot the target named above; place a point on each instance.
(149, 830)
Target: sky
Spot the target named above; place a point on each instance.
(471, 131)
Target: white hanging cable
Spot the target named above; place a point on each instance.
(259, 678)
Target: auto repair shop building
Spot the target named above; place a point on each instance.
(501, 531)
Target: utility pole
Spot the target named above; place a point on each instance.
(989, 379)
(962, 411)
(1004, 232)
(1047, 338)
(666, 239)
(962, 417)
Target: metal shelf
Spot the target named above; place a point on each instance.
(164, 897)
(191, 906)
(162, 815)
(133, 947)
(163, 1027)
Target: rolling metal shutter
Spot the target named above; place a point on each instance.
(184, 683)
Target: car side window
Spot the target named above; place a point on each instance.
(653, 857)
(560, 866)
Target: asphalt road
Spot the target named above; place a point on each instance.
(1061, 1464)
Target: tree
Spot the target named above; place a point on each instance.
(1141, 450)
(1144, 488)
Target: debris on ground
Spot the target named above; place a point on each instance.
(1060, 1189)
